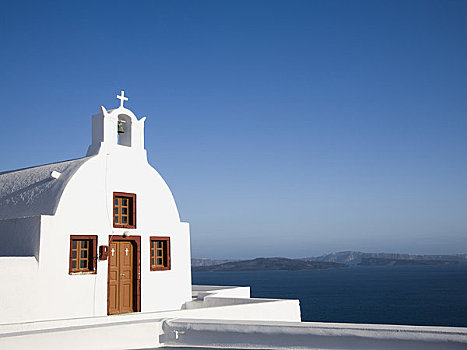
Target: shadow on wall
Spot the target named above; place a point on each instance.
(20, 237)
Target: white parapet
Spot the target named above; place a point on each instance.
(225, 334)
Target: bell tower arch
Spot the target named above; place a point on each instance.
(124, 130)
(117, 130)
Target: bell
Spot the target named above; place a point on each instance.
(120, 127)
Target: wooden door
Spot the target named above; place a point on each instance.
(121, 272)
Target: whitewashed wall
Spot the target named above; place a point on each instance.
(145, 328)
(18, 290)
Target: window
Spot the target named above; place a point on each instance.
(160, 253)
(124, 210)
(83, 254)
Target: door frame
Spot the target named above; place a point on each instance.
(136, 242)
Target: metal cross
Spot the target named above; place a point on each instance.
(126, 251)
(113, 251)
(122, 98)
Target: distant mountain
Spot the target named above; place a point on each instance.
(261, 264)
(355, 257)
(384, 262)
(327, 261)
(210, 262)
(347, 257)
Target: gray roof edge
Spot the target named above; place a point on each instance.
(41, 165)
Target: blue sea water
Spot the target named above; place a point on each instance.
(414, 295)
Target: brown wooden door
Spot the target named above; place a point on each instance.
(121, 272)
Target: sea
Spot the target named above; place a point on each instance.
(433, 295)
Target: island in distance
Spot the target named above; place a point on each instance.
(328, 261)
(261, 264)
(385, 262)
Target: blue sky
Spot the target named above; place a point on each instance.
(284, 128)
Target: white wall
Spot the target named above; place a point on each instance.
(245, 309)
(18, 288)
(202, 291)
(133, 331)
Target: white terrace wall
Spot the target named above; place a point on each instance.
(86, 209)
(231, 334)
(144, 329)
(18, 289)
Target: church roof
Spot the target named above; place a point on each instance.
(35, 191)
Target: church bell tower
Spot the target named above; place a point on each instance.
(117, 130)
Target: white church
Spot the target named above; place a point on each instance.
(100, 235)
(94, 256)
